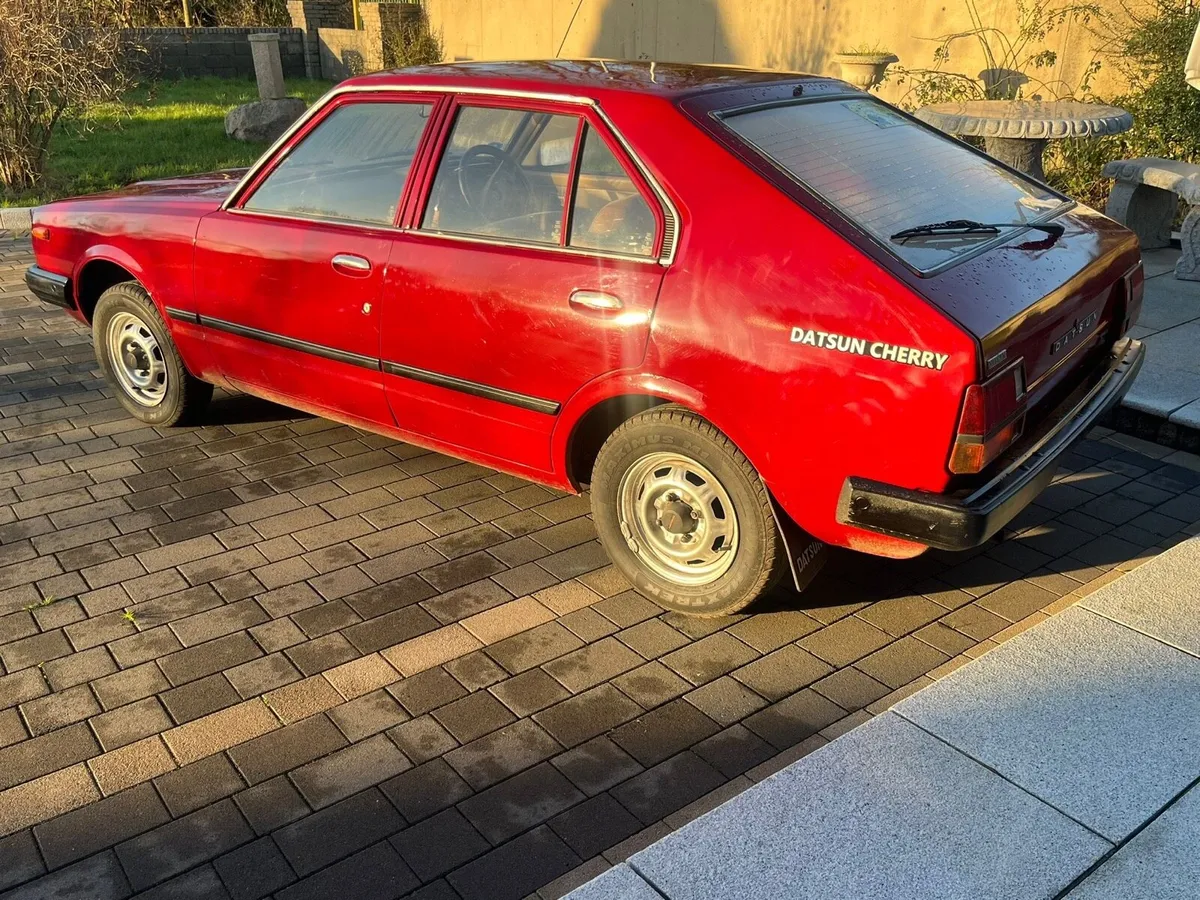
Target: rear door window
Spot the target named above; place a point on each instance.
(609, 214)
(885, 172)
(351, 167)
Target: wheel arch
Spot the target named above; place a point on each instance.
(599, 408)
(100, 269)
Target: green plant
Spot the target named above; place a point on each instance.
(1014, 59)
(1148, 45)
(130, 617)
(45, 601)
(412, 42)
(865, 49)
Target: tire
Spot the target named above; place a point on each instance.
(140, 361)
(670, 534)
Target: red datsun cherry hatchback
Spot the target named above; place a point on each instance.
(757, 313)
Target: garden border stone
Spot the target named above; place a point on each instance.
(16, 219)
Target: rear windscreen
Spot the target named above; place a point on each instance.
(887, 173)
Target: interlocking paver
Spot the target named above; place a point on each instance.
(346, 771)
(99, 825)
(178, 845)
(337, 831)
(315, 606)
(131, 764)
(198, 784)
(377, 871)
(285, 749)
(129, 723)
(271, 804)
(473, 716)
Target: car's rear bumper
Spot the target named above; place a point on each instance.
(48, 287)
(959, 523)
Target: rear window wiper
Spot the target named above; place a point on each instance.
(969, 226)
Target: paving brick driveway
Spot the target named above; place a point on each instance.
(278, 656)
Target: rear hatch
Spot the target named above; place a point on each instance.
(1050, 300)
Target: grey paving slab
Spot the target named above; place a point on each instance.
(884, 811)
(619, 883)
(1161, 262)
(1168, 303)
(1176, 346)
(1138, 332)
(1188, 415)
(1160, 389)
(1161, 863)
(1089, 715)
(1160, 598)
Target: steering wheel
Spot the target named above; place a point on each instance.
(492, 160)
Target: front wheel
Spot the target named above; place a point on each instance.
(684, 516)
(140, 361)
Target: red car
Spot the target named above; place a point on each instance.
(757, 313)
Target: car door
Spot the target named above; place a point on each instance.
(288, 280)
(531, 267)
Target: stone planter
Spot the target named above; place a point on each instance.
(864, 70)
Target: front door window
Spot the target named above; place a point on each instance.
(351, 167)
(504, 175)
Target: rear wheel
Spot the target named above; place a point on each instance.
(139, 359)
(684, 516)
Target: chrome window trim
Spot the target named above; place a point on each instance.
(450, 236)
(666, 253)
(322, 220)
(533, 245)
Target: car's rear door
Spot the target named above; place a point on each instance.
(531, 266)
(288, 280)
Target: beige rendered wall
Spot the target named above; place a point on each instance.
(796, 35)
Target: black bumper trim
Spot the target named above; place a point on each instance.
(954, 523)
(49, 287)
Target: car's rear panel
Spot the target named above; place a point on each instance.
(1051, 302)
(1047, 305)
(1042, 303)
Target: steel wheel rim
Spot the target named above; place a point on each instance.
(137, 360)
(678, 519)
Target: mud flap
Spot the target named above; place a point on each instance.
(806, 555)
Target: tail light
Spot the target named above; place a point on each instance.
(993, 416)
(40, 233)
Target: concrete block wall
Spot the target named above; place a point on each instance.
(224, 52)
(346, 52)
(310, 16)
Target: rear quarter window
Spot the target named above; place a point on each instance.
(885, 172)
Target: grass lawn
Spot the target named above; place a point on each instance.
(165, 128)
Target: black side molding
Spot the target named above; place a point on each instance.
(474, 388)
(48, 287)
(279, 340)
(182, 315)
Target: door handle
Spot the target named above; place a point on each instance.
(350, 264)
(596, 302)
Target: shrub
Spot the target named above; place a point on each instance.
(412, 43)
(1148, 46)
(56, 57)
(225, 13)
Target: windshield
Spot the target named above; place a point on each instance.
(886, 173)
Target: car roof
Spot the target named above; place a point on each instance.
(580, 76)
